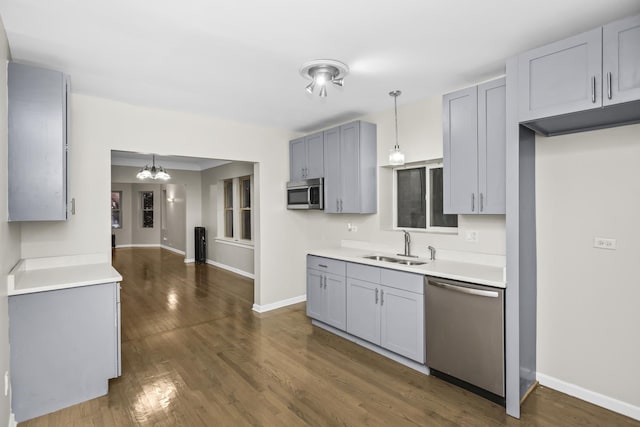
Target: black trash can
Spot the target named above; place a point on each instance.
(201, 245)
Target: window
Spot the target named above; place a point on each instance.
(116, 213)
(419, 199)
(228, 208)
(147, 209)
(234, 209)
(245, 207)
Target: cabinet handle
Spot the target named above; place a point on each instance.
(481, 202)
(322, 265)
(320, 282)
(340, 205)
(381, 298)
(609, 85)
(376, 295)
(593, 89)
(73, 206)
(337, 205)
(325, 282)
(473, 202)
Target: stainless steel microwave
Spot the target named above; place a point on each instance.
(306, 194)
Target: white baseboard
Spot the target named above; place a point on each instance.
(279, 304)
(169, 248)
(189, 260)
(232, 269)
(12, 421)
(590, 396)
(149, 245)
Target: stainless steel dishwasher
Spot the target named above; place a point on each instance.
(464, 326)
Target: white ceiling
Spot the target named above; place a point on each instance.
(240, 59)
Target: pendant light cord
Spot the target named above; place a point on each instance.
(395, 103)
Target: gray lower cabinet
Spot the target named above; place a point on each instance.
(582, 74)
(386, 308)
(306, 157)
(65, 346)
(350, 168)
(474, 137)
(326, 291)
(38, 148)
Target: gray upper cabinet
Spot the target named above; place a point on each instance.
(350, 168)
(38, 148)
(621, 61)
(306, 157)
(474, 136)
(589, 81)
(562, 77)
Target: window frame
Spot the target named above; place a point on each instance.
(237, 200)
(428, 228)
(242, 208)
(119, 210)
(227, 185)
(143, 209)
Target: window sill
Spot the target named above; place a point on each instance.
(427, 231)
(239, 243)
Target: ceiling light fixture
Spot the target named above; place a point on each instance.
(323, 71)
(396, 157)
(153, 172)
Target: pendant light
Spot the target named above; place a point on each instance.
(396, 157)
(153, 172)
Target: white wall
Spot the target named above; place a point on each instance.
(9, 233)
(588, 185)
(99, 126)
(174, 217)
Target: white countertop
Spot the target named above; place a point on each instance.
(468, 272)
(54, 273)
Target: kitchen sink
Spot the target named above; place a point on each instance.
(394, 260)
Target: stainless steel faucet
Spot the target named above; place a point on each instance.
(432, 253)
(407, 244)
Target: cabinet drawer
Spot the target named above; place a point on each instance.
(402, 280)
(364, 272)
(327, 265)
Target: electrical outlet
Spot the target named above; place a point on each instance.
(471, 236)
(352, 228)
(604, 243)
(6, 383)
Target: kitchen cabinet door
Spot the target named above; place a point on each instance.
(621, 61)
(335, 296)
(460, 133)
(315, 155)
(297, 159)
(492, 147)
(38, 146)
(363, 311)
(561, 78)
(402, 322)
(315, 295)
(350, 168)
(332, 168)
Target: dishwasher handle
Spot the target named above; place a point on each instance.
(470, 291)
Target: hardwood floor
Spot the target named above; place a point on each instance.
(194, 354)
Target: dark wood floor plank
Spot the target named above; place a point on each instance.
(195, 354)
